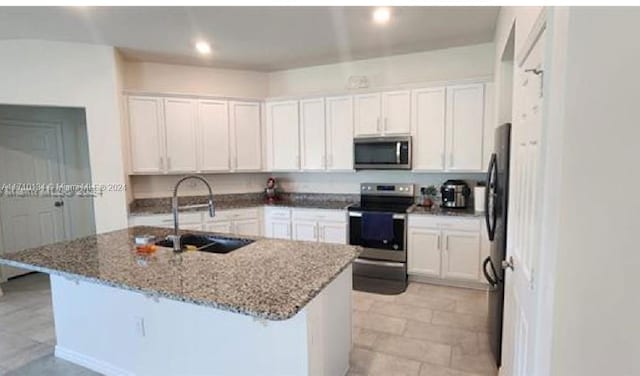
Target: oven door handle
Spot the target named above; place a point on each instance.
(395, 216)
(379, 263)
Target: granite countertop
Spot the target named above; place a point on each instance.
(270, 279)
(436, 210)
(249, 200)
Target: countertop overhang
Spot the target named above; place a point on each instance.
(270, 278)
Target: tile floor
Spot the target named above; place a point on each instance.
(427, 331)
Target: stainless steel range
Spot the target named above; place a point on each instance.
(379, 224)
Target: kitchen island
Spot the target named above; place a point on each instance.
(273, 307)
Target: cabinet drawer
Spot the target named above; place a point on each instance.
(231, 214)
(165, 220)
(277, 213)
(446, 223)
(321, 215)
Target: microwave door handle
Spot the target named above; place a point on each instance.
(398, 145)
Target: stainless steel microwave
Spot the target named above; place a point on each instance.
(382, 153)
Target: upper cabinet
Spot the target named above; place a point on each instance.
(146, 134)
(213, 135)
(385, 113)
(312, 134)
(465, 133)
(339, 133)
(448, 128)
(368, 109)
(283, 152)
(246, 136)
(428, 124)
(179, 135)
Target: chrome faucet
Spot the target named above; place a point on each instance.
(174, 208)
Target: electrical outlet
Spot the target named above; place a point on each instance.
(140, 329)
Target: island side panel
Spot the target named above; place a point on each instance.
(119, 332)
(329, 328)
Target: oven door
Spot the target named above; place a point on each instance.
(382, 153)
(393, 250)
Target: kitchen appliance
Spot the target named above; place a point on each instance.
(455, 194)
(382, 153)
(382, 265)
(496, 202)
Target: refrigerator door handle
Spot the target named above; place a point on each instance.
(491, 186)
(492, 281)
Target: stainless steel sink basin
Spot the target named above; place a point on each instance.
(207, 243)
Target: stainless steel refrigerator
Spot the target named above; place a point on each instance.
(496, 204)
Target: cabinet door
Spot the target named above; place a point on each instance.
(282, 135)
(278, 229)
(339, 136)
(218, 226)
(305, 230)
(192, 226)
(246, 136)
(329, 232)
(213, 135)
(424, 252)
(250, 227)
(465, 122)
(368, 109)
(396, 112)
(146, 134)
(428, 123)
(461, 255)
(312, 134)
(180, 124)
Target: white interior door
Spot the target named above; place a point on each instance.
(180, 123)
(339, 118)
(524, 221)
(312, 134)
(246, 135)
(213, 135)
(29, 155)
(428, 128)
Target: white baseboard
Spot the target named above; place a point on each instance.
(90, 363)
(448, 282)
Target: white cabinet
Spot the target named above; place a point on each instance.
(180, 128)
(385, 113)
(213, 136)
(396, 112)
(237, 221)
(424, 255)
(461, 255)
(282, 136)
(368, 109)
(221, 226)
(428, 128)
(465, 127)
(277, 223)
(312, 134)
(146, 134)
(327, 226)
(250, 227)
(305, 230)
(246, 136)
(447, 249)
(339, 133)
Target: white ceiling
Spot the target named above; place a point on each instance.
(255, 38)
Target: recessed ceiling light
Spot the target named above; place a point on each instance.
(203, 48)
(381, 15)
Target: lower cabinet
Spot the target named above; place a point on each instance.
(446, 248)
(314, 225)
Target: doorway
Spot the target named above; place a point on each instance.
(45, 178)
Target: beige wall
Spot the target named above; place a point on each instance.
(185, 79)
(438, 65)
(74, 75)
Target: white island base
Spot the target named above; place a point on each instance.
(119, 332)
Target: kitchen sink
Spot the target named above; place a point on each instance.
(207, 243)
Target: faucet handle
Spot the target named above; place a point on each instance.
(212, 209)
